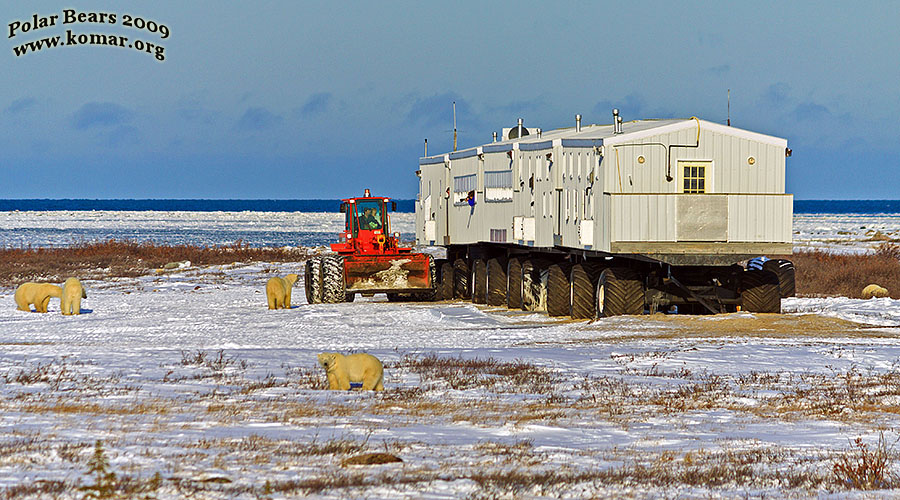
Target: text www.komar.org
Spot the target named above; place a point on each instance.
(73, 39)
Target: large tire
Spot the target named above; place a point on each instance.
(496, 282)
(461, 279)
(534, 281)
(760, 292)
(333, 286)
(584, 279)
(619, 291)
(559, 289)
(479, 281)
(312, 280)
(784, 270)
(446, 285)
(514, 284)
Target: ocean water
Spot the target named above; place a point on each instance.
(184, 205)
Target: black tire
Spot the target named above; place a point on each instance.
(784, 270)
(350, 297)
(496, 282)
(461, 279)
(514, 284)
(394, 297)
(333, 286)
(479, 282)
(584, 279)
(760, 292)
(534, 281)
(559, 289)
(619, 291)
(445, 288)
(312, 280)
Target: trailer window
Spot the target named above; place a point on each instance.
(498, 185)
(694, 177)
(462, 186)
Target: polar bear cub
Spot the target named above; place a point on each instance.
(278, 291)
(36, 293)
(342, 371)
(72, 293)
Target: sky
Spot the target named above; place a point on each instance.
(294, 99)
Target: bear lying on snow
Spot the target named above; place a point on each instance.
(36, 293)
(342, 370)
(278, 291)
(72, 293)
(874, 290)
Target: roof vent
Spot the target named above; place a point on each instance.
(518, 131)
(617, 121)
(578, 123)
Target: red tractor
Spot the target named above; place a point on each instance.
(369, 259)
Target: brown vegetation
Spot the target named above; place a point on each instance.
(122, 258)
(822, 273)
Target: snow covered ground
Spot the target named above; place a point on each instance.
(194, 388)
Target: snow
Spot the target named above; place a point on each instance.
(188, 375)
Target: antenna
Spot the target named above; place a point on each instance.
(454, 125)
(729, 107)
(426, 147)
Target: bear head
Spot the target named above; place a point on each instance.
(327, 360)
(291, 278)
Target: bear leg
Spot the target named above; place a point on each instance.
(42, 307)
(271, 301)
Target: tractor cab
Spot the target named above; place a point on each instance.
(367, 227)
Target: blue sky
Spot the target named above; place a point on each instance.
(292, 99)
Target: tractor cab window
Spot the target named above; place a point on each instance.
(370, 215)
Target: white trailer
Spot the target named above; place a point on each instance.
(612, 219)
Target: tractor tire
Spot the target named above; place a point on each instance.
(784, 269)
(446, 285)
(461, 280)
(584, 279)
(559, 289)
(619, 291)
(479, 282)
(333, 286)
(496, 282)
(760, 292)
(534, 281)
(312, 280)
(514, 284)
(350, 297)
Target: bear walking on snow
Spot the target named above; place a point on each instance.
(36, 293)
(278, 291)
(342, 370)
(72, 293)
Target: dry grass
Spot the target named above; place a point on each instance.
(821, 273)
(122, 258)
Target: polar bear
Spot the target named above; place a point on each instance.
(36, 293)
(874, 290)
(342, 371)
(72, 293)
(278, 291)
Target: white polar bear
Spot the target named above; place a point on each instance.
(342, 371)
(36, 293)
(874, 290)
(72, 293)
(278, 291)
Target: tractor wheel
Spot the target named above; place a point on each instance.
(461, 279)
(514, 284)
(350, 297)
(559, 289)
(584, 285)
(333, 287)
(479, 282)
(496, 282)
(312, 280)
(619, 291)
(446, 286)
(760, 291)
(784, 269)
(534, 282)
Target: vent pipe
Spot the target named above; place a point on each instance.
(495, 136)
(619, 124)
(578, 123)
(519, 129)
(615, 120)
(426, 147)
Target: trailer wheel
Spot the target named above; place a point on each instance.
(445, 288)
(584, 286)
(461, 279)
(760, 291)
(514, 284)
(559, 289)
(496, 282)
(333, 288)
(784, 269)
(312, 280)
(619, 291)
(534, 282)
(479, 282)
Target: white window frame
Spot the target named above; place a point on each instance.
(462, 186)
(498, 185)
